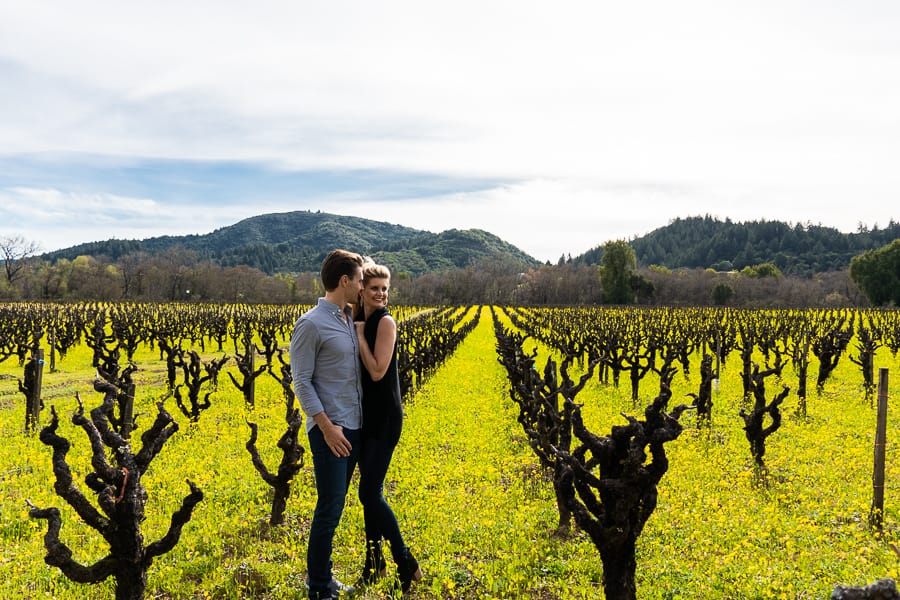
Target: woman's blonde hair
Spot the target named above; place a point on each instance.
(372, 270)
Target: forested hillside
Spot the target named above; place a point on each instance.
(706, 242)
(296, 242)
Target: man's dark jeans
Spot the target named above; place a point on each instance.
(333, 476)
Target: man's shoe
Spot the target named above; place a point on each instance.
(335, 590)
(338, 589)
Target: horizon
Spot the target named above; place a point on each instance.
(806, 225)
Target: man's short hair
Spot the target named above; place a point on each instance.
(337, 264)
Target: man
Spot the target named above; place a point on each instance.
(326, 373)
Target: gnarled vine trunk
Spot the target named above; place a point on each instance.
(614, 488)
(120, 494)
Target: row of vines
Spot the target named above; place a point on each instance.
(643, 341)
(565, 452)
(190, 342)
(609, 484)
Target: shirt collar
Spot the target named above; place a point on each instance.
(334, 308)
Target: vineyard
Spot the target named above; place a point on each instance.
(547, 453)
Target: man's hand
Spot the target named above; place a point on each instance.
(334, 437)
(333, 434)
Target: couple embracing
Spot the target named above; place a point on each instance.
(344, 367)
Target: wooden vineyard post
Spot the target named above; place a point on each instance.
(33, 380)
(876, 517)
(718, 359)
(251, 384)
(52, 342)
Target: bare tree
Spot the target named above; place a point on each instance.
(15, 251)
(133, 270)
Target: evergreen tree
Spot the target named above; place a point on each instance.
(616, 268)
(722, 293)
(877, 273)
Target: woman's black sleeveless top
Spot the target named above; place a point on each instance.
(382, 409)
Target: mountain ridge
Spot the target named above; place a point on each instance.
(296, 241)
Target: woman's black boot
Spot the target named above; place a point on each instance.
(375, 565)
(408, 570)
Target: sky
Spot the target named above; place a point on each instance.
(555, 125)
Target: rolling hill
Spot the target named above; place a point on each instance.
(297, 241)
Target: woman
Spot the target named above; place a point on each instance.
(382, 425)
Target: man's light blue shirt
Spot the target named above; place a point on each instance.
(325, 365)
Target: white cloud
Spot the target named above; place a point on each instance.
(549, 218)
(545, 218)
(58, 219)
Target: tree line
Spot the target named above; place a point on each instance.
(180, 275)
(803, 250)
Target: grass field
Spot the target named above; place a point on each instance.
(471, 500)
